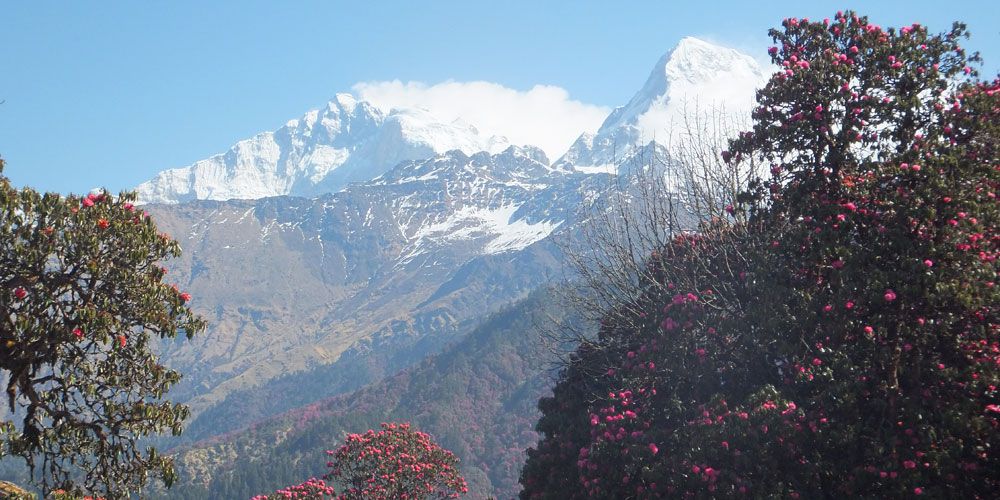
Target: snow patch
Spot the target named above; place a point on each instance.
(497, 226)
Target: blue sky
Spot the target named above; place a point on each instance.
(109, 93)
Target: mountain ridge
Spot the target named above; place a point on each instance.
(321, 152)
(351, 140)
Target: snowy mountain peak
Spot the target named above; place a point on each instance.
(696, 60)
(695, 76)
(348, 140)
(693, 73)
(344, 101)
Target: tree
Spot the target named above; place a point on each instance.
(396, 462)
(839, 334)
(81, 295)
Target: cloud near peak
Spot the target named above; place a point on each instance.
(543, 116)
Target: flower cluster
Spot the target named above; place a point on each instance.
(311, 489)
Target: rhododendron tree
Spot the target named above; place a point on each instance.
(838, 334)
(395, 462)
(82, 295)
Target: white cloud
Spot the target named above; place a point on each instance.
(544, 116)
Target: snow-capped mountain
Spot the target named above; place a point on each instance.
(346, 141)
(406, 230)
(692, 79)
(350, 140)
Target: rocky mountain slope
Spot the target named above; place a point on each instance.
(404, 259)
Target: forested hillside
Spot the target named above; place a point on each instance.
(477, 398)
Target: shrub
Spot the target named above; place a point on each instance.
(839, 334)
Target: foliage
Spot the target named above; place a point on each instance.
(81, 295)
(839, 334)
